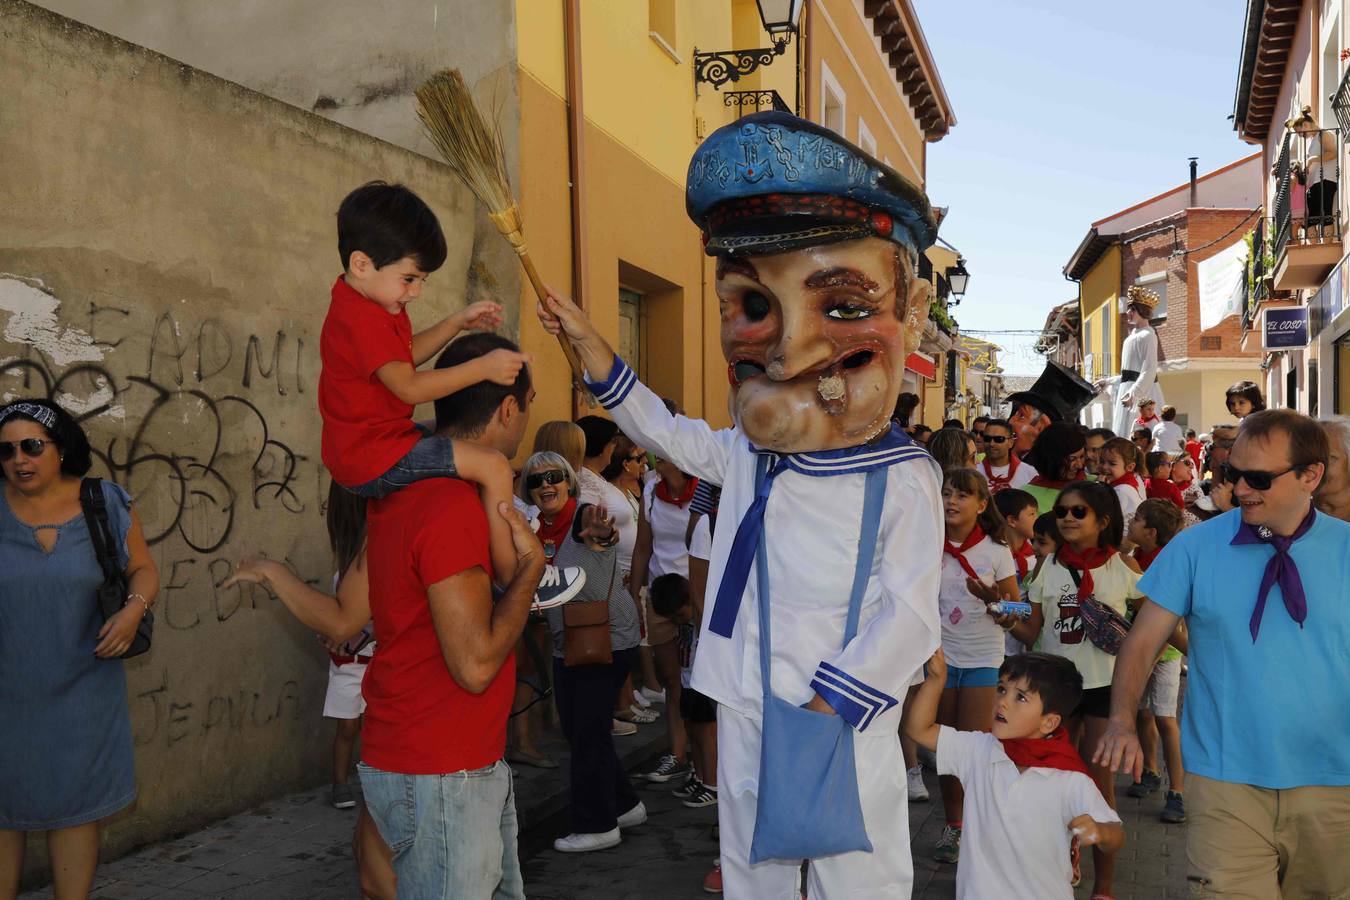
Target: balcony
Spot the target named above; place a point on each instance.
(748, 102)
(1307, 220)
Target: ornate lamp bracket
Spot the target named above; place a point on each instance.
(719, 67)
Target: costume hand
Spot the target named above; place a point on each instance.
(1126, 399)
(1088, 830)
(1119, 750)
(936, 670)
(117, 633)
(252, 570)
(485, 315)
(502, 366)
(981, 591)
(597, 525)
(529, 552)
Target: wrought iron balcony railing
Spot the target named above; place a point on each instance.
(754, 101)
(1307, 175)
(1340, 103)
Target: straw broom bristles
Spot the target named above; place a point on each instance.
(474, 151)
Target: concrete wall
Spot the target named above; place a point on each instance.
(166, 250)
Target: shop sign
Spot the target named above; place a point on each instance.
(1285, 328)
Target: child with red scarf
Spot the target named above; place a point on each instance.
(1019, 829)
(1119, 467)
(975, 557)
(1018, 509)
(1087, 564)
(1160, 483)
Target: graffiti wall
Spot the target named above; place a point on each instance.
(167, 245)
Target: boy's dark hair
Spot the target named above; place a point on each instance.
(1163, 516)
(1045, 526)
(1169, 413)
(1249, 391)
(1054, 678)
(1101, 433)
(924, 429)
(1190, 432)
(1012, 501)
(388, 222)
(979, 420)
(599, 432)
(69, 437)
(670, 594)
(954, 423)
(1141, 432)
(1157, 459)
(972, 482)
(466, 412)
(1101, 498)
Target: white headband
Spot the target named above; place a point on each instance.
(41, 414)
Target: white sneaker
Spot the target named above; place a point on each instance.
(634, 817)
(557, 586)
(641, 699)
(643, 716)
(654, 696)
(918, 792)
(620, 728)
(585, 843)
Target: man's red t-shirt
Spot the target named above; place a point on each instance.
(1165, 489)
(366, 429)
(418, 719)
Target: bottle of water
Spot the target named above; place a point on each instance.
(1019, 608)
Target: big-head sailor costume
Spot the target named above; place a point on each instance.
(810, 505)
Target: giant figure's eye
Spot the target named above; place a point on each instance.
(756, 306)
(847, 312)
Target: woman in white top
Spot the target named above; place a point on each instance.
(972, 641)
(1087, 563)
(1138, 360)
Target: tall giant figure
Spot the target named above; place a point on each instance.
(1138, 361)
(826, 555)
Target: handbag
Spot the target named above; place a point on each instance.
(1105, 628)
(112, 593)
(586, 640)
(808, 804)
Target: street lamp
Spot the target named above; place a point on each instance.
(958, 277)
(779, 18)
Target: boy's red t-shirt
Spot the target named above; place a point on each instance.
(366, 429)
(1165, 489)
(1194, 449)
(418, 719)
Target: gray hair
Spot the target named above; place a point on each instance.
(546, 460)
(1338, 430)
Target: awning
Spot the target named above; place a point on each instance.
(923, 365)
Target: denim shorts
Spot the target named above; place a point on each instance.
(431, 457)
(453, 837)
(979, 676)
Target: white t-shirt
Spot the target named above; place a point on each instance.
(1025, 472)
(597, 490)
(970, 637)
(1168, 437)
(1113, 584)
(669, 524)
(1015, 834)
(1130, 498)
(700, 547)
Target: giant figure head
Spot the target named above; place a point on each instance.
(817, 249)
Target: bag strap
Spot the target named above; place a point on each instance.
(1073, 573)
(874, 496)
(100, 530)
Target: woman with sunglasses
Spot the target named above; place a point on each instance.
(66, 742)
(583, 535)
(1087, 563)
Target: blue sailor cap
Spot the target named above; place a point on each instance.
(772, 182)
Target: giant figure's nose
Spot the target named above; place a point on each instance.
(802, 344)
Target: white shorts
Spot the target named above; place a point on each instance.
(1160, 694)
(344, 700)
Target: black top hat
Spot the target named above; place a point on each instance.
(1060, 393)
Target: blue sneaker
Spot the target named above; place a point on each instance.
(1174, 812)
(1145, 786)
(557, 586)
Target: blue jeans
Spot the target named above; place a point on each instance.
(430, 457)
(453, 837)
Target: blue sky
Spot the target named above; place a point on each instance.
(1066, 113)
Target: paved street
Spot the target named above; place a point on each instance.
(297, 849)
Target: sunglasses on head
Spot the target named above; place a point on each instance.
(996, 438)
(539, 479)
(1256, 480)
(1078, 512)
(31, 447)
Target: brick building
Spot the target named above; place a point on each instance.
(1158, 245)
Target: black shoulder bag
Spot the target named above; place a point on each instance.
(112, 593)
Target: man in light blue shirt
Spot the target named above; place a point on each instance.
(1265, 591)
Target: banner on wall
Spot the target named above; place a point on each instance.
(1220, 279)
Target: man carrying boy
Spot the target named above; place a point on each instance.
(1028, 792)
(1001, 467)
(1160, 485)
(1266, 737)
(1153, 526)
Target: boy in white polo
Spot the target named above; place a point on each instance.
(1027, 789)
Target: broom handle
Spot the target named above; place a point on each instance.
(533, 274)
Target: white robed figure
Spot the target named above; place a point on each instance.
(1138, 362)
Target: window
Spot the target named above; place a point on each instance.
(1157, 283)
(1330, 73)
(831, 101)
(661, 24)
(630, 329)
(1089, 361)
(865, 139)
(1108, 350)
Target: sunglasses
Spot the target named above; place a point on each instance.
(996, 438)
(539, 479)
(638, 458)
(31, 447)
(1078, 512)
(1257, 481)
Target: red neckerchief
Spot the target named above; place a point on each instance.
(1127, 478)
(976, 535)
(999, 483)
(1050, 752)
(1023, 557)
(1084, 563)
(562, 522)
(1164, 489)
(1146, 559)
(1141, 422)
(663, 492)
(1042, 481)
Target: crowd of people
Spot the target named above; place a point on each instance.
(1071, 572)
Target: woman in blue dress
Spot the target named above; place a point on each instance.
(66, 740)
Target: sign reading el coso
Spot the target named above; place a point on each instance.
(1285, 328)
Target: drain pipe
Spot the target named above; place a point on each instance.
(576, 164)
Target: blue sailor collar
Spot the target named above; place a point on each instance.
(893, 447)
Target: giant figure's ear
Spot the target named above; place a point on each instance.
(917, 296)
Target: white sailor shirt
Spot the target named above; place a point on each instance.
(812, 528)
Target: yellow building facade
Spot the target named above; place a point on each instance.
(1099, 305)
(610, 114)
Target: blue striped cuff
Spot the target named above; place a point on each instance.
(859, 704)
(614, 389)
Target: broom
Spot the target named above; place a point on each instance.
(474, 150)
